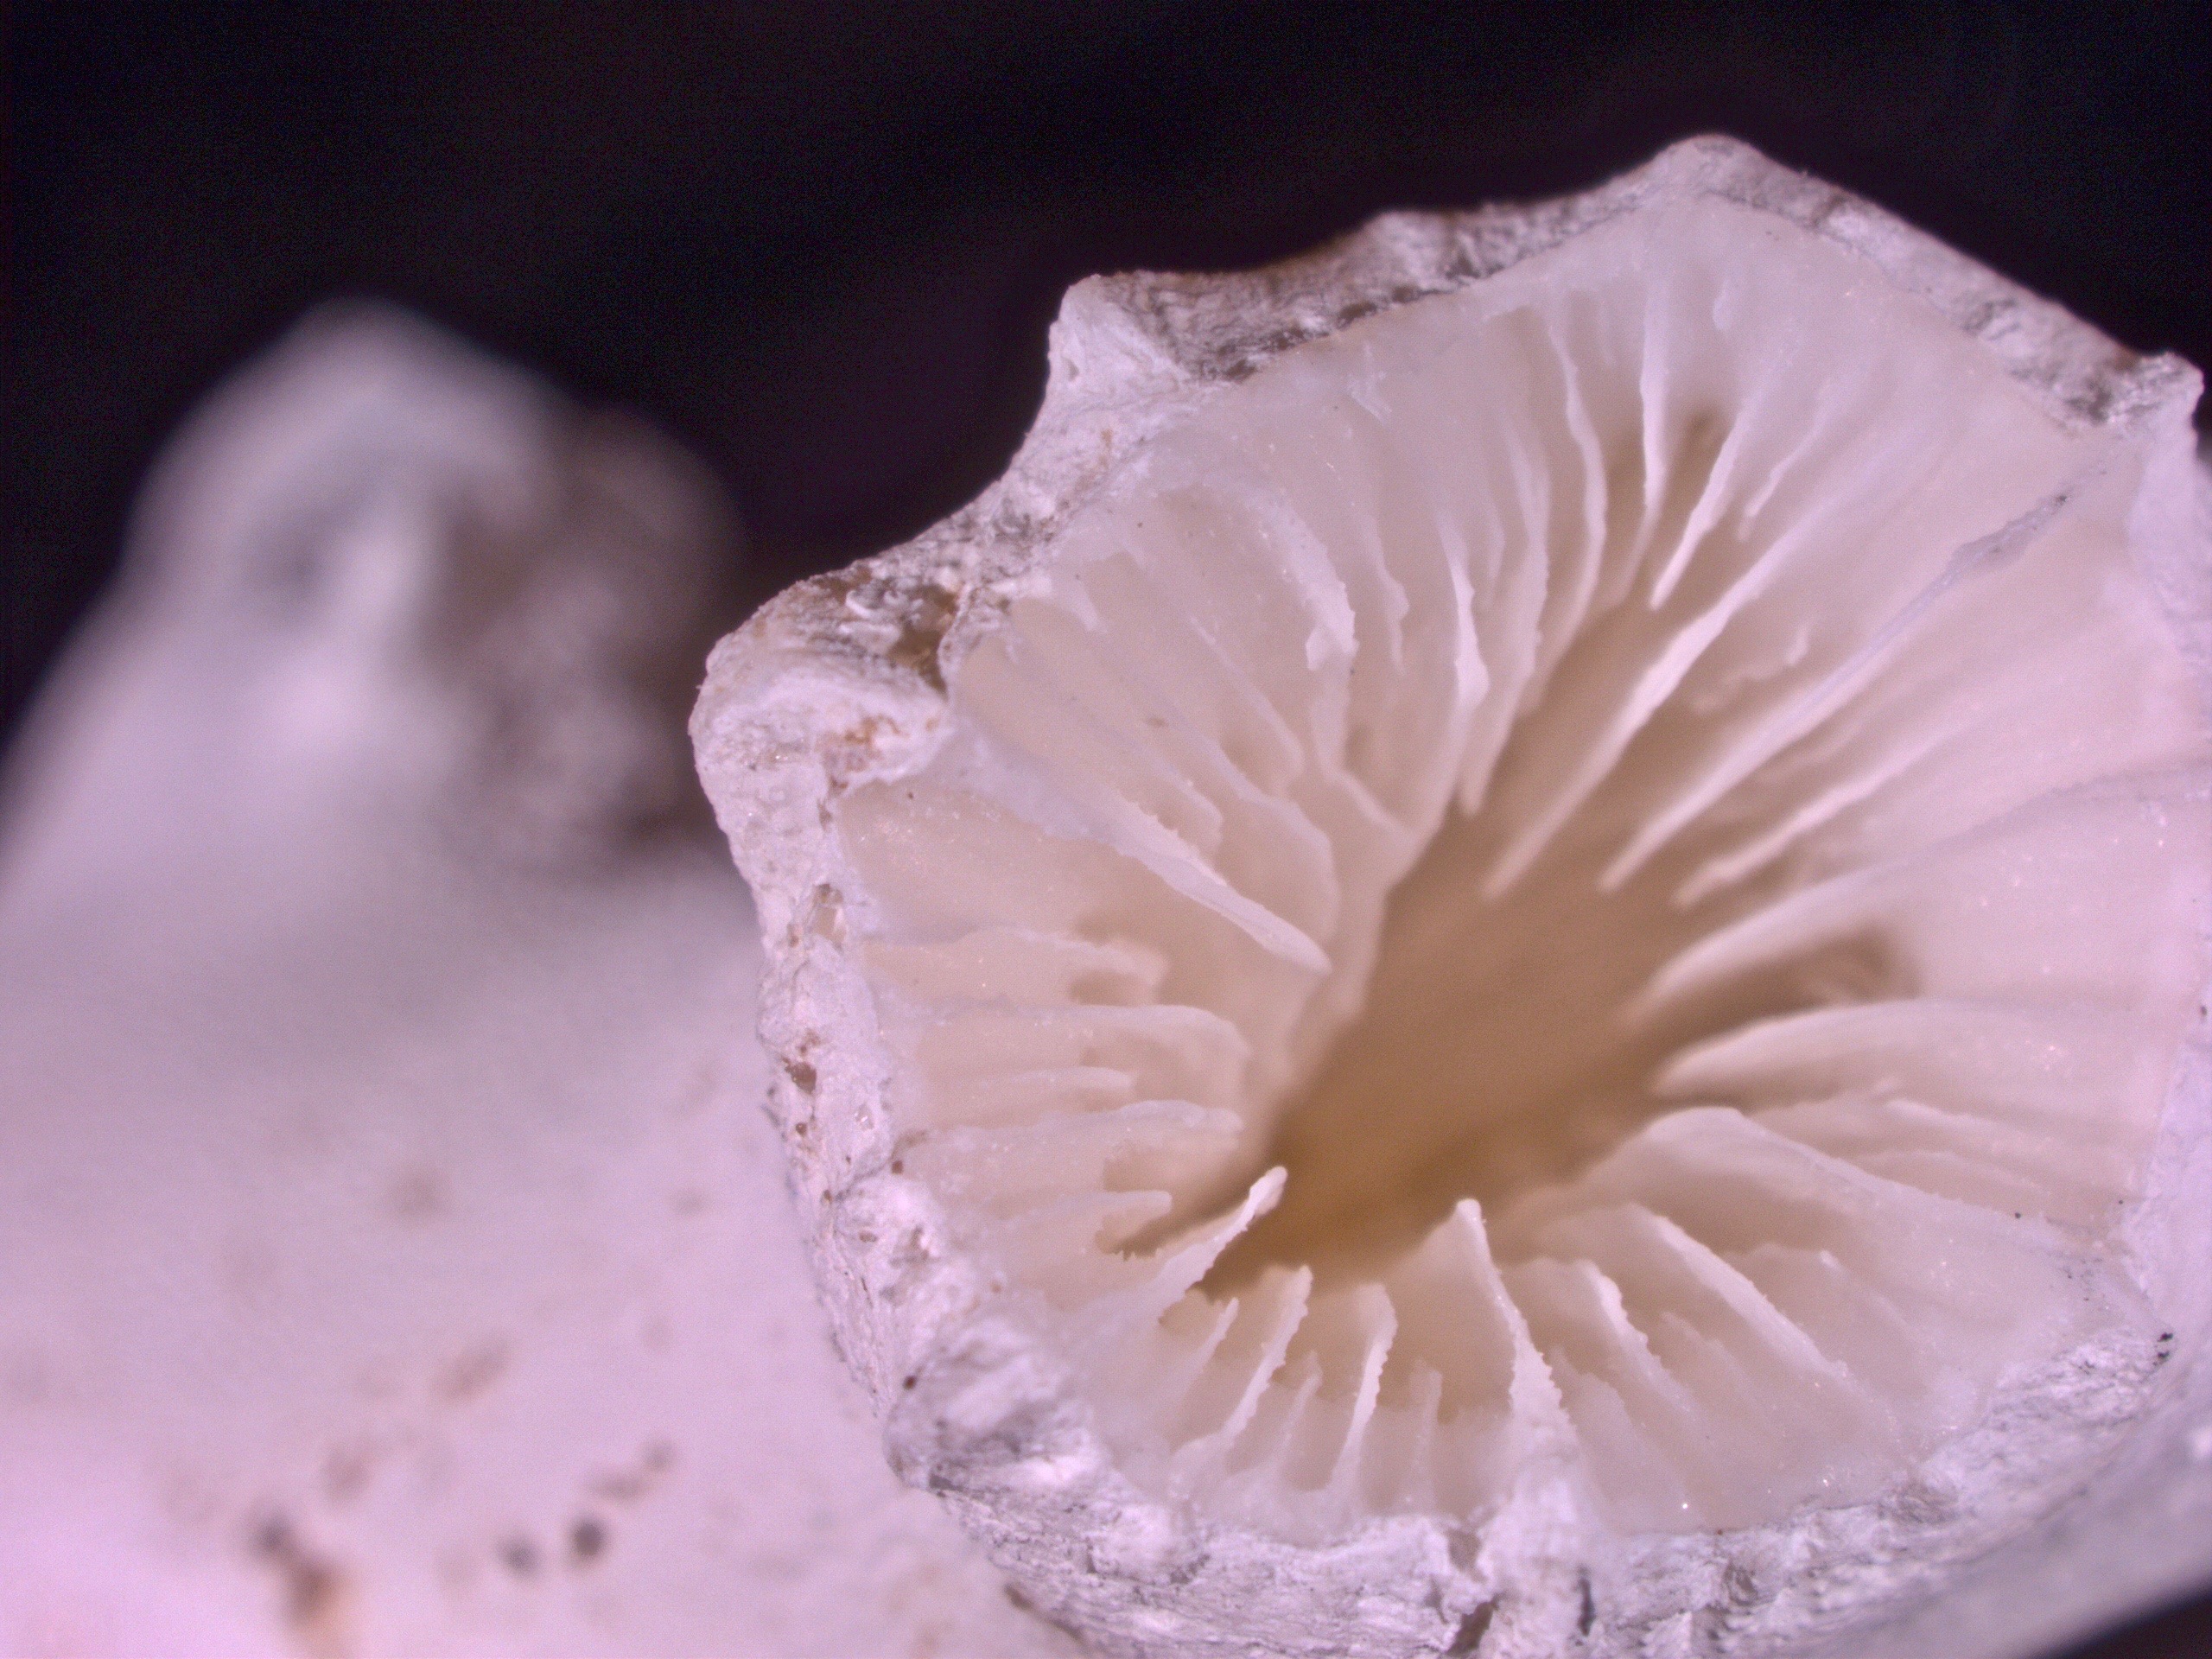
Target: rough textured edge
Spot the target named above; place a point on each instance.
(840, 680)
(2134, 1533)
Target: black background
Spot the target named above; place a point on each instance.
(820, 241)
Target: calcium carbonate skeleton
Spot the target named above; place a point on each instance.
(1508, 956)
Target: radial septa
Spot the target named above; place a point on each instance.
(1761, 766)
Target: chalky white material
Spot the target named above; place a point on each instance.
(1510, 955)
(393, 1256)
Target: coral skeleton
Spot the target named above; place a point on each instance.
(1508, 956)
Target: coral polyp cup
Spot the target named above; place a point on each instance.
(1511, 947)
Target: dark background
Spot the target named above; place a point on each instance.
(820, 240)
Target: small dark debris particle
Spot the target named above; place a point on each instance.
(587, 1538)
(312, 1585)
(469, 1373)
(897, 1166)
(802, 1075)
(345, 1471)
(1589, 1610)
(910, 1381)
(1472, 1629)
(520, 1555)
(627, 1485)
(416, 1193)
